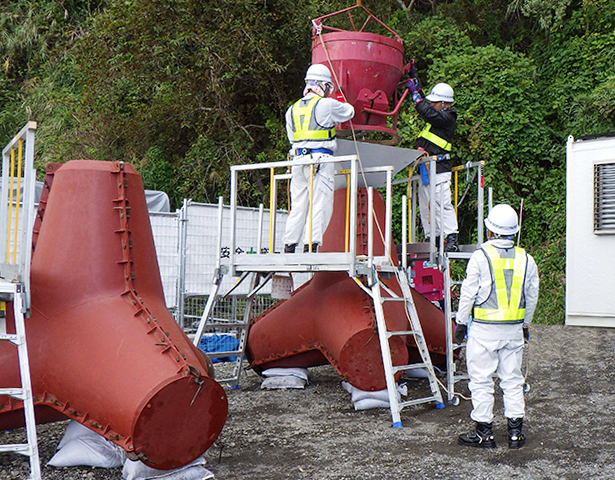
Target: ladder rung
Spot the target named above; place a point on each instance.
(10, 337)
(224, 354)
(403, 332)
(414, 366)
(418, 401)
(22, 448)
(19, 393)
(225, 325)
(393, 299)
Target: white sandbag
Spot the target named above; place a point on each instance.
(383, 395)
(137, 470)
(364, 399)
(282, 378)
(91, 451)
(282, 382)
(283, 372)
(417, 373)
(368, 403)
(75, 429)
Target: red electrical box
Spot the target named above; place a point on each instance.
(428, 280)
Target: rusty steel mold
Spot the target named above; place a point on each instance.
(104, 349)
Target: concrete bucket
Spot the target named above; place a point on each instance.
(366, 68)
(104, 349)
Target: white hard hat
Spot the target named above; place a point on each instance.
(318, 73)
(441, 92)
(502, 220)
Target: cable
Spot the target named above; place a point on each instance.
(432, 371)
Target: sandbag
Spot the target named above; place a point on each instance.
(282, 378)
(136, 470)
(80, 446)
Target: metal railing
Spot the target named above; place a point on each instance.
(411, 207)
(332, 261)
(17, 208)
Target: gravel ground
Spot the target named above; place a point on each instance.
(315, 434)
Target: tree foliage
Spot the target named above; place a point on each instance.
(184, 88)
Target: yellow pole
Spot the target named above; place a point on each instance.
(10, 213)
(311, 207)
(19, 160)
(456, 189)
(271, 209)
(409, 199)
(347, 240)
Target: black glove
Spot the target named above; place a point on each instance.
(526, 334)
(460, 333)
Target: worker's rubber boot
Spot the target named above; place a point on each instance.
(290, 248)
(306, 248)
(481, 437)
(451, 243)
(516, 438)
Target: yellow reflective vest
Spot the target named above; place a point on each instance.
(433, 138)
(305, 127)
(506, 302)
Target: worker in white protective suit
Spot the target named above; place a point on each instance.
(310, 126)
(500, 291)
(440, 122)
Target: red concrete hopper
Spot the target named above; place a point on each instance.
(367, 67)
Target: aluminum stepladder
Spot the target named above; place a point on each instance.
(24, 393)
(376, 286)
(15, 255)
(242, 327)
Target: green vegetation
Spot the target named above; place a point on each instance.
(183, 89)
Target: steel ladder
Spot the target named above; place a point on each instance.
(23, 393)
(375, 291)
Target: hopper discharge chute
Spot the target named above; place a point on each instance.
(366, 67)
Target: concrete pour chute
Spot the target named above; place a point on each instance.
(104, 350)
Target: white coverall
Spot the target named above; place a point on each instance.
(443, 193)
(329, 112)
(494, 348)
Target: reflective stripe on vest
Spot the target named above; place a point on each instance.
(505, 304)
(439, 141)
(305, 127)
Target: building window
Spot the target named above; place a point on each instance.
(604, 198)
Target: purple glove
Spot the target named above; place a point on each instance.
(412, 73)
(413, 85)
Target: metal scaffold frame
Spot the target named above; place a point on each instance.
(17, 211)
(229, 309)
(268, 261)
